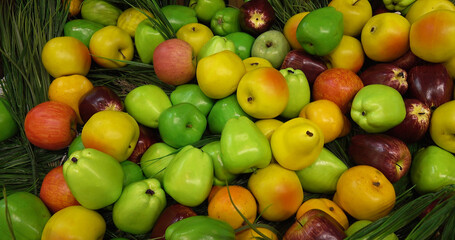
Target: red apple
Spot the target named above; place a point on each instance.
(174, 62)
(311, 65)
(387, 74)
(415, 124)
(408, 61)
(54, 191)
(170, 215)
(388, 154)
(337, 85)
(147, 137)
(51, 125)
(256, 16)
(430, 84)
(315, 224)
(98, 99)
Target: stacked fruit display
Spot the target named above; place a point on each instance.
(239, 135)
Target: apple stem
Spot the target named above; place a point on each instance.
(401, 168)
(290, 71)
(74, 159)
(150, 191)
(309, 133)
(120, 51)
(355, 2)
(299, 223)
(376, 184)
(254, 64)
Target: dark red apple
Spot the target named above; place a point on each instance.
(147, 137)
(430, 84)
(408, 61)
(98, 99)
(415, 124)
(54, 191)
(388, 154)
(256, 16)
(315, 224)
(51, 125)
(311, 65)
(170, 215)
(386, 74)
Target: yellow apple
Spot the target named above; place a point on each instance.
(196, 34)
(268, 126)
(355, 14)
(218, 75)
(421, 7)
(74, 223)
(348, 55)
(252, 63)
(110, 44)
(290, 28)
(130, 19)
(263, 93)
(450, 66)
(385, 37)
(442, 126)
(277, 190)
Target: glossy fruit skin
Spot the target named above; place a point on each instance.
(290, 29)
(51, 125)
(320, 31)
(179, 15)
(355, 14)
(66, 56)
(28, 216)
(348, 54)
(8, 127)
(216, 44)
(225, 21)
(100, 11)
(196, 34)
(327, 206)
(297, 143)
(311, 65)
(171, 214)
(299, 92)
(432, 169)
(221, 175)
(87, 166)
(155, 160)
(377, 108)
(81, 29)
(146, 39)
(200, 227)
(107, 127)
(243, 43)
(441, 126)
(192, 93)
(181, 125)
(206, 9)
(130, 18)
(132, 172)
(139, 206)
(243, 146)
(256, 16)
(75, 223)
(365, 193)
(222, 111)
(97, 99)
(271, 45)
(189, 176)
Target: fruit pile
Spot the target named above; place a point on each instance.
(324, 125)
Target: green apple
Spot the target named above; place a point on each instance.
(223, 110)
(75, 145)
(243, 43)
(146, 103)
(271, 45)
(225, 21)
(131, 172)
(377, 108)
(181, 125)
(216, 44)
(8, 127)
(110, 46)
(139, 206)
(28, 216)
(100, 11)
(179, 15)
(146, 39)
(299, 92)
(206, 9)
(359, 224)
(221, 175)
(432, 168)
(155, 160)
(328, 167)
(81, 29)
(196, 34)
(192, 93)
(94, 178)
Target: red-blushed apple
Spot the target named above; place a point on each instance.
(348, 54)
(147, 137)
(385, 37)
(196, 34)
(256, 16)
(263, 93)
(415, 124)
(174, 62)
(387, 74)
(388, 154)
(355, 14)
(338, 85)
(290, 29)
(98, 99)
(315, 224)
(408, 61)
(170, 215)
(431, 84)
(311, 65)
(54, 191)
(51, 125)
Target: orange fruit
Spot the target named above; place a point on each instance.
(220, 206)
(327, 206)
(69, 90)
